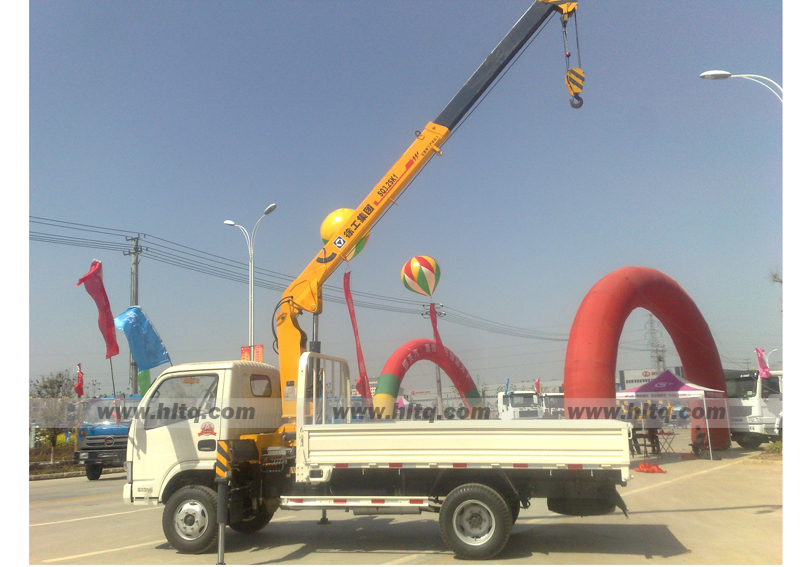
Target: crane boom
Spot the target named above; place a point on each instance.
(305, 292)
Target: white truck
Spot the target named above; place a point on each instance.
(527, 404)
(476, 474)
(270, 440)
(518, 404)
(756, 407)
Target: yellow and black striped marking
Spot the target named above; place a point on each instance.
(222, 465)
(574, 80)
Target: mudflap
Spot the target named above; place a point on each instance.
(620, 503)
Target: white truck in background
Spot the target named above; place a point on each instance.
(527, 404)
(755, 405)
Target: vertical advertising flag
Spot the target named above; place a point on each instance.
(258, 353)
(79, 385)
(245, 353)
(763, 368)
(93, 283)
(145, 345)
(144, 381)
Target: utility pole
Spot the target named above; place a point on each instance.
(134, 254)
(656, 344)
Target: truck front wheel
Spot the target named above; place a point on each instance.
(475, 522)
(93, 471)
(749, 442)
(190, 519)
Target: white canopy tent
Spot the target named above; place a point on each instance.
(667, 386)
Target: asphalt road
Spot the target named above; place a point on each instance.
(699, 512)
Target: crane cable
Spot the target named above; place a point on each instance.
(575, 76)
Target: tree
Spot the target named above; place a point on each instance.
(52, 406)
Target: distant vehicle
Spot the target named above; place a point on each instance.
(103, 433)
(520, 404)
(755, 405)
(552, 404)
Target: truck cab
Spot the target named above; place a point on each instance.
(755, 405)
(521, 404)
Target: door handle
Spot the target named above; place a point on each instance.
(207, 445)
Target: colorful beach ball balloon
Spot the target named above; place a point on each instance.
(421, 275)
(334, 224)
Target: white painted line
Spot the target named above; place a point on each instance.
(404, 559)
(70, 557)
(93, 517)
(678, 479)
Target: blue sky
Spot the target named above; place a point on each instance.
(166, 118)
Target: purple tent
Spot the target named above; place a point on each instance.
(667, 386)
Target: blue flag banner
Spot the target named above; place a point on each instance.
(146, 347)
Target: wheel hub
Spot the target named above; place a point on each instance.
(474, 523)
(191, 520)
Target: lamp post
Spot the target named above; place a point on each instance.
(250, 239)
(717, 75)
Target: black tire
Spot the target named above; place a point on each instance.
(189, 520)
(94, 471)
(475, 522)
(749, 442)
(253, 523)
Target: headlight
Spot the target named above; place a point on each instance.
(84, 455)
(754, 419)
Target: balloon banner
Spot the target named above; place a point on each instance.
(421, 275)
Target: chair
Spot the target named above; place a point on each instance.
(700, 442)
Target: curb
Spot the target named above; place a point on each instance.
(69, 474)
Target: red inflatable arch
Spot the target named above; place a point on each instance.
(594, 338)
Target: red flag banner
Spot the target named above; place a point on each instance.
(79, 386)
(362, 384)
(93, 282)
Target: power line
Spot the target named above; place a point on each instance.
(192, 259)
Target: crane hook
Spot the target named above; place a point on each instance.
(576, 101)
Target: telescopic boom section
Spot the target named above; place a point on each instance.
(305, 293)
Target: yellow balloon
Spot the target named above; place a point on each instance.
(334, 224)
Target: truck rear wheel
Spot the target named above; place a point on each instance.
(93, 471)
(475, 522)
(190, 519)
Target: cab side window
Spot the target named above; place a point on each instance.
(261, 386)
(181, 398)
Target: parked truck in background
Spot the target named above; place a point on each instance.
(755, 406)
(103, 433)
(518, 404)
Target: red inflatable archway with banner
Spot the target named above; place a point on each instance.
(591, 358)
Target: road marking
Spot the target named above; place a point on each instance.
(404, 559)
(91, 517)
(736, 462)
(104, 551)
(76, 498)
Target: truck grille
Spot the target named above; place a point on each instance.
(105, 442)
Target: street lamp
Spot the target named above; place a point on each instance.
(716, 75)
(250, 242)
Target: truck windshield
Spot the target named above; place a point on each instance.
(521, 400)
(743, 387)
(554, 402)
(104, 410)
